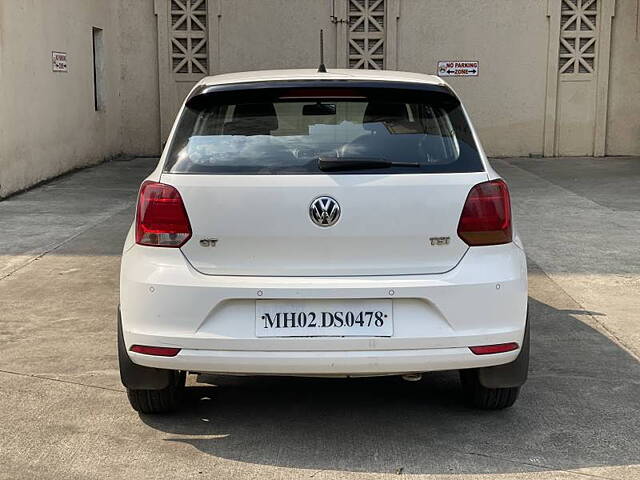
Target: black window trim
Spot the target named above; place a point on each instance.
(205, 90)
(202, 91)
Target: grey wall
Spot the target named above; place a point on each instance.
(509, 39)
(516, 108)
(139, 92)
(48, 124)
(623, 119)
(271, 34)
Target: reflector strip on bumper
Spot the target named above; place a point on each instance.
(499, 348)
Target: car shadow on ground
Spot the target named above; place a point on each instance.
(578, 409)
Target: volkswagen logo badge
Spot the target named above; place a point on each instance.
(324, 211)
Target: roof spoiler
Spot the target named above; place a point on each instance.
(200, 92)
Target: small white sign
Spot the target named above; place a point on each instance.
(456, 68)
(59, 61)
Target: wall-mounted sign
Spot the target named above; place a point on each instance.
(455, 68)
(59, 61)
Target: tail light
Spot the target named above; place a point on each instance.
(161, 219)
(486, 216)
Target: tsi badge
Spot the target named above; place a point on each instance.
(439, 241)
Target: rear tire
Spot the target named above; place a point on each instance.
(485, 398)
(159, 401)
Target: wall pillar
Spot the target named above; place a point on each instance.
(578, 54)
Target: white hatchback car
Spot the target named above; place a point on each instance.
(323, 224)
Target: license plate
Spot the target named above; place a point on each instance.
(324, 318)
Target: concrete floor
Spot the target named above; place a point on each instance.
(63, 412)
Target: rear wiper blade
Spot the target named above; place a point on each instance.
(333, 164)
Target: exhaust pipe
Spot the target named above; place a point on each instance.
(412, 377)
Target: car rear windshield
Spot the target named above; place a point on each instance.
(302, 130)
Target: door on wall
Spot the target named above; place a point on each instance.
(366, 33)
(577, 77)
(184, 52)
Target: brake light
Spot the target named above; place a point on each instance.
(499, 348)
(157, 351)
(161, 219)
(321, 93)
(486, 216)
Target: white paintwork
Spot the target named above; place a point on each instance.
(165, 302)
(313, 74)
(263, 225)
(332, 363)
(203, 300)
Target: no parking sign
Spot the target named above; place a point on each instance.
(457, 68)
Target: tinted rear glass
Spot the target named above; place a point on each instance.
(287, 131)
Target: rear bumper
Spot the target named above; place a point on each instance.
(165, 302)
(381, 362)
